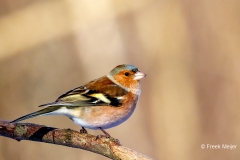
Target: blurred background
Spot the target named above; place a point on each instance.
(190, 51)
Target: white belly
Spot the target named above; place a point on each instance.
(104, 121)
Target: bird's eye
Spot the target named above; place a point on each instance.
(127, 74)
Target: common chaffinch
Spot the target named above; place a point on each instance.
(100, 104)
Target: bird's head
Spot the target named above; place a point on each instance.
(128, 76)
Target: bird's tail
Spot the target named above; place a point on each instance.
(42, 112)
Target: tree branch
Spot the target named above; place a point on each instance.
(108, 147)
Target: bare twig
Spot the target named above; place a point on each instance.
(108, 147)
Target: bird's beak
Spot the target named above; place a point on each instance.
(139, 75)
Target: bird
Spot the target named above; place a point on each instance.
(102, 103)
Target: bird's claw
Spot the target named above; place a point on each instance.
(102, 136)
(116, 141)
(83, 130)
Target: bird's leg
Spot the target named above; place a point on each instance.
(105, 134)
(83, 130)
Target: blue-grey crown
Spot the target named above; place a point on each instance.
(119, 68)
